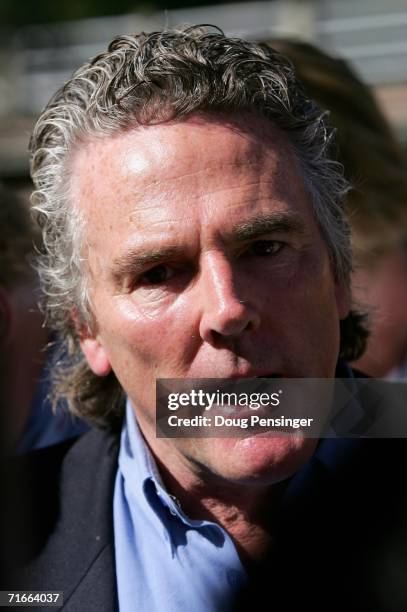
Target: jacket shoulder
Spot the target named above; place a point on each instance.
(68, 522)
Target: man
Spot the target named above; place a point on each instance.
(194, 229)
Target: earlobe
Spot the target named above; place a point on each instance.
(92, 348)
(96, 356)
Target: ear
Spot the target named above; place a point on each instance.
(343, 299)
(91, 346)
(96, 356)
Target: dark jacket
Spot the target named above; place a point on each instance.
(68, 524)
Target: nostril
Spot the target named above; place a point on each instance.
(219, 341)
(219, 338)
(216, 338)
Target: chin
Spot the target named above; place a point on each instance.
(261, 460)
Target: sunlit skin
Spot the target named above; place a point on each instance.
(204, 260)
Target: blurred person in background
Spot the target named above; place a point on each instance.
(376, 166)
(28, 416)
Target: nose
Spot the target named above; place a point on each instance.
(226, 312)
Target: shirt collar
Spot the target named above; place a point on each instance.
(144, 465)
(137, 464)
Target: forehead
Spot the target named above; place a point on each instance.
(150, 178)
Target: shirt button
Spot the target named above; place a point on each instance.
(176, 501)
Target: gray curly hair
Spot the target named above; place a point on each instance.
(147, 79)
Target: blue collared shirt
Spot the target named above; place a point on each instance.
(164, 560)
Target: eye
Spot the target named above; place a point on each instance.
(156, 276)
(263, 248)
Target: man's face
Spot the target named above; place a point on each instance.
(205, 260)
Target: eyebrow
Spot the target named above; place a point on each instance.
(271, 223)
(135, 261)
(141, 258)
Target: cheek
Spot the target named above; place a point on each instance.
(155, 341)
(308, 324)
(314, 325)
(310, 299)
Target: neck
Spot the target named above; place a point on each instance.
(245, 512)
(244, 509)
